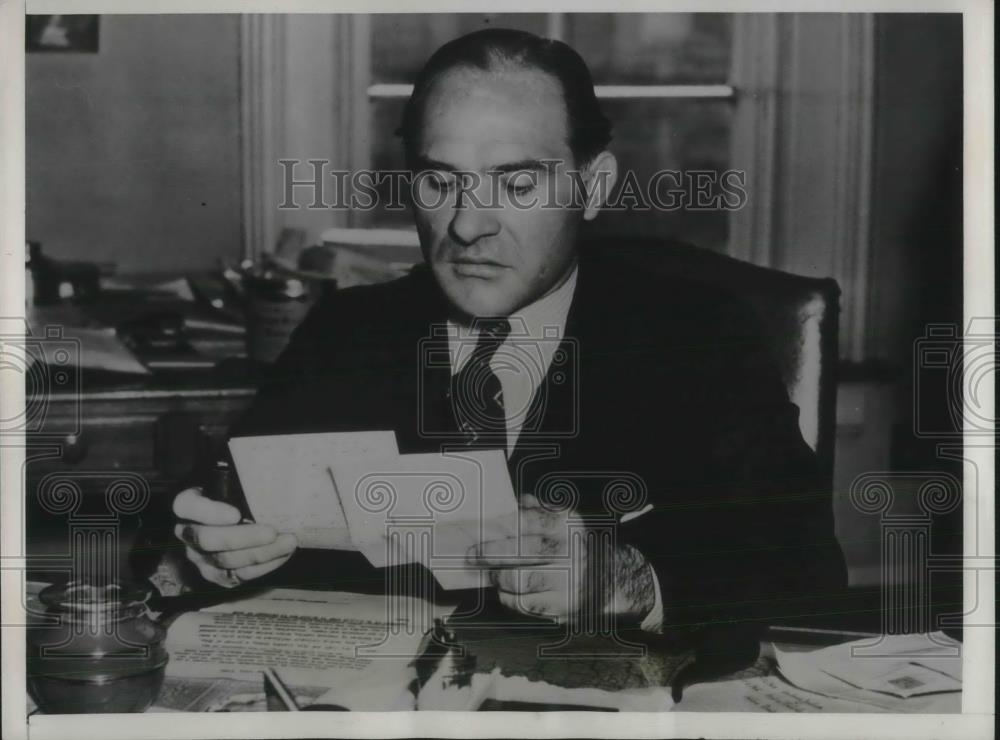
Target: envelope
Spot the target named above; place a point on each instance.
(430, 509)
(288, 483)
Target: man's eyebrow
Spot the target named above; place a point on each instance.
(425, 163)
(525, 164)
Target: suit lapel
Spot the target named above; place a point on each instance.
(553, 424)
(425, 416)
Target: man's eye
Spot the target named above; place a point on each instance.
(441, 180)
(521, 183)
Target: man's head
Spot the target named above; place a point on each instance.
(518, 115)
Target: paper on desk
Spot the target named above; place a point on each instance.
(287, 480)
(458, 499)
(379, 688)
(443, 692)
(101, 349)
(909, 673)
(91, 347)
(312, 638)
(521, 689)
(762, 694)
(179, 287)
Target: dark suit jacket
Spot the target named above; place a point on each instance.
(665, 387)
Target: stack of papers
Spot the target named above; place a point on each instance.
(918, 673)
(901, 673)
(354, 491)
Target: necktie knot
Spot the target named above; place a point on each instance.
(492, 330)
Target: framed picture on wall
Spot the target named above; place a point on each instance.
(62, 33)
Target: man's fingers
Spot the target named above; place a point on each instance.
(195, 557)
(208, 571)
(542, 522)
(482, 553)
(278, 550)
(551, 604)
(230, 577)
(191, 504)
(218, 539)
(525, 581)
(513, 552)
(547, 547)
(530, 504)
(256, 571)
(528, 549)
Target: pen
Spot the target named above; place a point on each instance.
(275, 687)
(281, 699)
(221, 488)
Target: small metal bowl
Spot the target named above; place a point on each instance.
(96, 650)
(56, 694)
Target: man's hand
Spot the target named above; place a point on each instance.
(225, 551)
(557, 571)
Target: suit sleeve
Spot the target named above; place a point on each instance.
(750, 538)
(272, 411)
(284, 391)
(285, 403)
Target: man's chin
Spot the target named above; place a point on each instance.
(478, 297)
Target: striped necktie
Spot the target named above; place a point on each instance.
(476, 393)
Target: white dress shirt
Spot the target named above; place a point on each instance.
(521, 364)
(522, 361)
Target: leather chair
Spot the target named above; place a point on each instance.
(799, 316)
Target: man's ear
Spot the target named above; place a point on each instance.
(599, 178)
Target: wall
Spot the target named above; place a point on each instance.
(133, 153)
(915, 276)
(916, 227)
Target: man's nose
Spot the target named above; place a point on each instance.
(473, 220)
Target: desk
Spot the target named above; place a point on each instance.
(143, 436)
(758, 687)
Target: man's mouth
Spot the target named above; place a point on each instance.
(477, 268)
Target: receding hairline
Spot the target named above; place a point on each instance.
(495, 51)
(498, 69)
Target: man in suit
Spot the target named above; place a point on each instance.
(651, 404)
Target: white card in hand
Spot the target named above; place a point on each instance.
(436, 505)
(287, 481)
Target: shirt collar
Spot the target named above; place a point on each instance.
(547, 315)
(543, 319)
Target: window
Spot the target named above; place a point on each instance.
(783, 98)
(663, 78)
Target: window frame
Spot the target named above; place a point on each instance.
(795, 153)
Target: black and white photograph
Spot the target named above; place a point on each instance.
(625, 371)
